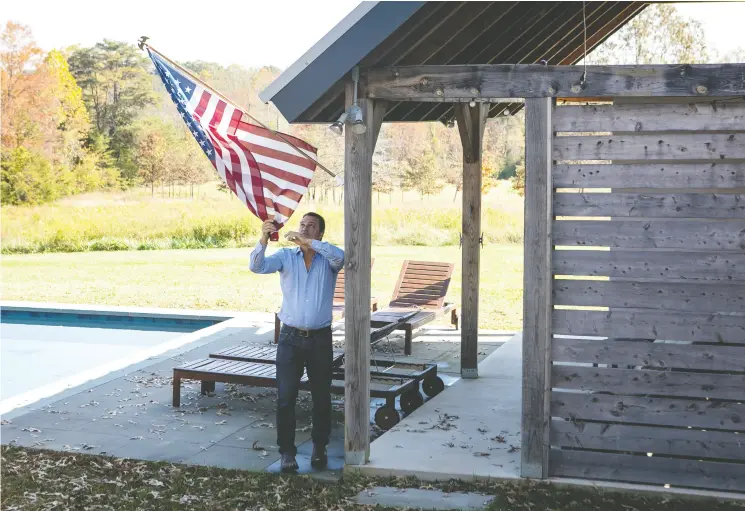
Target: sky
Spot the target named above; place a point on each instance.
(251, 33)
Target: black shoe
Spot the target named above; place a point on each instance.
(288, 463)
(318, 459)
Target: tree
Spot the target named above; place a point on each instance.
(71, 117)
(117, 86)
(151, 158)
(423, 173)
(190, 165)
(487, 179)
(518, 182)
(384, 167)
(19, 58)
(659, 35)
(27, 178)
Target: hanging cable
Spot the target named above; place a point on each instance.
(584, 24)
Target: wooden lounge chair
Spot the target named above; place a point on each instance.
(338, 305)
(422, 286)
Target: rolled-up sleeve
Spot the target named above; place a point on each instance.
(260, 263)
(334, 254)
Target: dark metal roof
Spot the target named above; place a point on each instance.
(438, 33)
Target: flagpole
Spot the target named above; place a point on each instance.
(142, 44)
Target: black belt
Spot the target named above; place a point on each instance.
(307, 333)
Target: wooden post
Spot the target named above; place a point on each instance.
(471, 123)
(537, 287)
(358, 155)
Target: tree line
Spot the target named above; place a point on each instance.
(81, 119)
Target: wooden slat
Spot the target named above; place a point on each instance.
(651, 324)
(453, 83)
(640, 118)
(638, 382)
(642, 469)
(423, 290)
(413, 302)
(699, 146)
(430, 264)
(644, 439)
(427, 278)
(719, 297)
(692, 175)
(537, 304)
(657, 411)
(658, 205)
(426, 275)
(702, 235)
(707, 266)
(649, 354)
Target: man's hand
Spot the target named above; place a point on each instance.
(298, 239)
(267, 228)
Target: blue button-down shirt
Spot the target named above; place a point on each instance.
(307, 295)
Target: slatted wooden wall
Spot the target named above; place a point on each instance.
(648, 321)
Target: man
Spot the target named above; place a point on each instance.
(308, 277)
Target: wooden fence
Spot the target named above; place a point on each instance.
(644, 373)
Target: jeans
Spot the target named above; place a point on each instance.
(294, 354)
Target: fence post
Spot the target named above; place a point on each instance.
(537, 303)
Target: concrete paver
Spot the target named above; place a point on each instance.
(422, 499)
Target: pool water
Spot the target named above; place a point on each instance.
(39, 348)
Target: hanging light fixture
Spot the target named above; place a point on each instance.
(338, 126)
(353, 114)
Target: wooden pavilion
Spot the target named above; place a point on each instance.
(634, 224)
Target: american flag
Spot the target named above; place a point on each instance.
(266, 173)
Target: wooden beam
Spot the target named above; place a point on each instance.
(492, 83)
(357, 245)
(537, 306)
(471, 124)
(379, 111)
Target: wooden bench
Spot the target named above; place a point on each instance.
(212, 370)
(262, 374)
(422, 286)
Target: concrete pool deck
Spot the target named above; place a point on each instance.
(127, 412)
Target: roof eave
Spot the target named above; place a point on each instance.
(334, 55)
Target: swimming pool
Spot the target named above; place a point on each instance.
(43, 351)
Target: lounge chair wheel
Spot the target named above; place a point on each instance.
(386, 417)
(410, 401)
(433, 386)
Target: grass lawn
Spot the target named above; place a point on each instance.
(220, 279)
(33, 479)
(134, 220)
